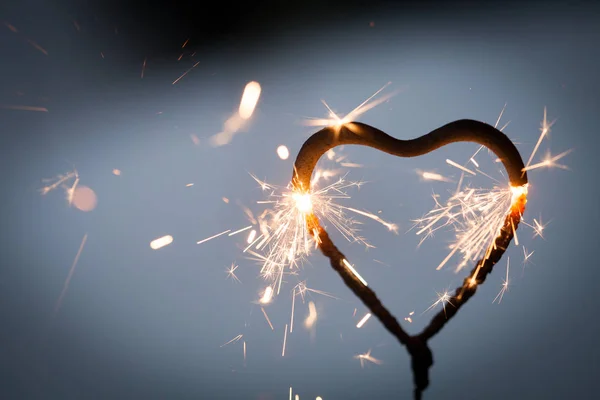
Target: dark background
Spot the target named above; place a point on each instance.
(137, 323)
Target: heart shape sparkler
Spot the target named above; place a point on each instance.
(356, 133)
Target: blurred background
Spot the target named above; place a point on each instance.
(130, 96)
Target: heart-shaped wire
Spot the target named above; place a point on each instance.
(356, 133)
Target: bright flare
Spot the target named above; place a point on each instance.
(283, 152)
(249, 99)
(161, 242)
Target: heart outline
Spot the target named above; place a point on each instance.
(465, 130)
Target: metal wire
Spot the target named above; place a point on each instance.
(356, 133)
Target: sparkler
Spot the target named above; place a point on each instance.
(458, 131)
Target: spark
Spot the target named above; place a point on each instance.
(251, 236)
(354, 272)
(69, 276)
(465, 169)
(61, 181)
(381, 262)
(290, 393)
(235, 339)
(545, 130)
(267, 318)
(249, 99)
(351, 165)
(292, 313)
(37, 46)
(161, 242)
(335, 120)
(477, 215)
(283, 152)
(189, 185)
(550, 162)
(409, 319)
(443, 299)
(504, 285)
(238, 119)
(527, 255)
(116, 172)
(267, 295)
(231, 272)
(240, 230)
(185, 73)
(311, 319)
(11, 27)
(213, 237)
(24, 108)
(363, 320)
(185, 43)
(143, 67)
(284, 340)
(244, 351)
(301, 289)
(367, 357)
(285, 241)
(432, 176)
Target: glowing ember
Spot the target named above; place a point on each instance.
(283, 152)
(161, 242)
(249, 99)
(84, 198)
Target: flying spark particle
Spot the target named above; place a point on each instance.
(354, 272)
(189, 185)
(432, 176)
(185, 43)
(240, 230)
(367, 357)
(161, 242)
(235, 339)
(231, 273)
(116, 172)
(69, 276)
(37, 46)
(283, 152)
(465, 169)
(11, 27)
(249, 99)
(25, 108)
(267, 295)
(213, 237)
(185, 73)
(363, 320)
(225, 200)
(284, 340)
(267, 318)
(311, 319)
(251, 236)
(504, 285)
